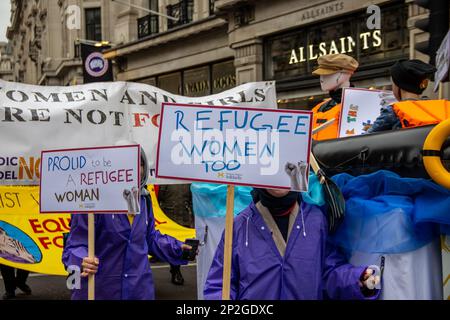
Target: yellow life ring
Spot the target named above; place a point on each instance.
(432, 153)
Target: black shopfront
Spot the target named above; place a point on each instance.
(197, 81)
(290, 58)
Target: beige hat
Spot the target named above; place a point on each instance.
(332, 63)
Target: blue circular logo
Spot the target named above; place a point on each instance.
(95, 65)
(17, 246)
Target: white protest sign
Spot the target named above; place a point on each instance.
(360, 108)
(103, 179)
(442, 62)
(35, 118)
(235, 145)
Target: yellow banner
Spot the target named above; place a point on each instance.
(34, 242)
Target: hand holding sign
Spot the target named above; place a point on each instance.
(297, 174)
(90, 180)
(90, 266)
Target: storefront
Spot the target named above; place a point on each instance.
(290, 58)
(198, 81)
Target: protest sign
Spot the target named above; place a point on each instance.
(101, 179)
(360, 108)
(235, 145)
(442, 62)
(36, 118)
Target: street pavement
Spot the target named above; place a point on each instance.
(47, 287)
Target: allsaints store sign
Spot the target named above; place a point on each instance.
(342, 45)
(294, 54)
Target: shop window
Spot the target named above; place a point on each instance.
(294, 55)
(394, 39)
(199, 81)
(223, 76)
(196, 82)
(150, 81)
(170, 82)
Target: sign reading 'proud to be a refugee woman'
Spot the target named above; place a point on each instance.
(90, 180)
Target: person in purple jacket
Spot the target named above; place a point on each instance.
(280, 252)
(122, 245)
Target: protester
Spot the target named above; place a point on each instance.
(176, 202)
(280, 251)
(122, 243)
(409, 80)
(12, 279)
(177, 276)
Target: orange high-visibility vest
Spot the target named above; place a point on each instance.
(320, 118)
(416, 113)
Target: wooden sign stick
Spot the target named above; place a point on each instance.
(228, 244)
(323, 126)
(91, 254)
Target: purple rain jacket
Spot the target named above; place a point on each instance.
(310, 269)
(124, 270)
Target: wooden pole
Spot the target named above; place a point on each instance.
(91, 254)
(440, 90)
(323, 126)
(228, 243)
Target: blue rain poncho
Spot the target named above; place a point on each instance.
(386, 213)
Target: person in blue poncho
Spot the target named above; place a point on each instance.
(280, 251)
(122, 268)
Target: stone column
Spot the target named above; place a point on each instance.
(126, 27)
(248, 61)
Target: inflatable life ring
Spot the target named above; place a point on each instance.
(432, 154)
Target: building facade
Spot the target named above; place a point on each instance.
(218, 44)
(44, 36)
(6, 72)
(212, 45)
(190, 56)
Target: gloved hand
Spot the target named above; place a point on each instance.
(293, 172)
(368, 282)
(303, 168)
